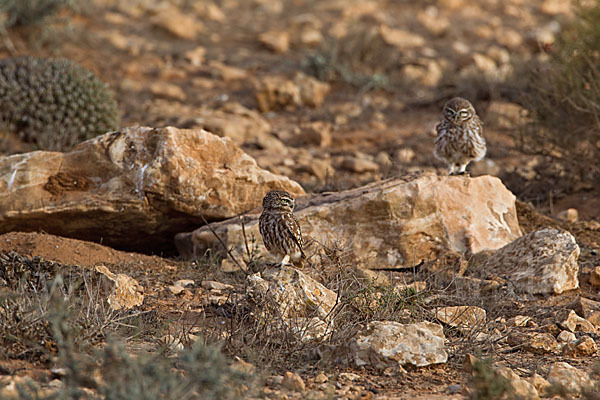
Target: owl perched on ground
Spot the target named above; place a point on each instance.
(279, 229)
(459, 136)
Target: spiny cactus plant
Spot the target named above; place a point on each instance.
(54, 103)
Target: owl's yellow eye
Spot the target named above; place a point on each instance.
(463, 113)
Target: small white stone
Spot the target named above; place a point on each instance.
(566, 337)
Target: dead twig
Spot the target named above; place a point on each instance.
(229, 253)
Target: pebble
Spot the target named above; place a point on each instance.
(321, 378)
(359, 165)
(584, 347)
(349, 376)
(293, 381)
(566, 337)
(570, 215)
(454, 389)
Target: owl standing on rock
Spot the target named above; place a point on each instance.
(279, 229)
(459, 136)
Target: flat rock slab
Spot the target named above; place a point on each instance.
(132, 189)
(387, 224)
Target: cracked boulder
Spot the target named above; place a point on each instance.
(392, 223)
(134, 188)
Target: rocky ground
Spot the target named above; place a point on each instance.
(335, 102)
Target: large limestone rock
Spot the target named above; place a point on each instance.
(390, 223)
(134, 188)
(541, 262)
(391, 344)
(289, 296)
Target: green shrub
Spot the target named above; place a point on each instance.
(487, 383)
(35, 292)
(361, 58)
(563, 97)
(54, 102)
(201, 372)
(59, 313)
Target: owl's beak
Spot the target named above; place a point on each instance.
(456, 118)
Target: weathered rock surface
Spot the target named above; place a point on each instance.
(571, 378)
(301, 302)
(505, 115)
(17, 387)
(178, 24)
(575, 323)
(134, 188)
(518, 320)
(391, 344)
(570, 215)
(534, 342)
(390, 223)
(522, 389)
(464, 318)
(590, 310)
(277, 41)
(595, 277)
(540, 384)
(541, 262)
(277, 92)
(127, 292)
(242, 125)
(566, 337)
(293, 381)
(584, 347)
(586, 307)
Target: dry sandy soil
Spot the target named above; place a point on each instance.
(124, 43)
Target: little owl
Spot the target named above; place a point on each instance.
(279, 229)
(459, 136)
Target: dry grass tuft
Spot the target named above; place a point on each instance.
(33, 292)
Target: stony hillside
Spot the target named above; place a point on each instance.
(131, 263)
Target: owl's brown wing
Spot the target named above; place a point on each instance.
(293, 228)
(438, 128)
